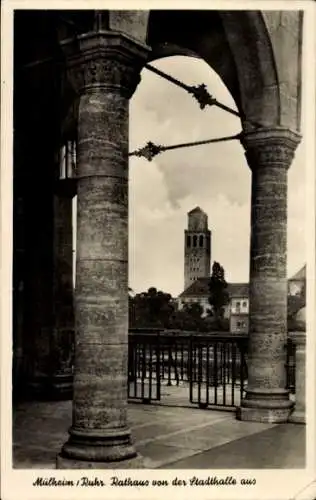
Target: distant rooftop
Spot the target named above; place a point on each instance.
(200, 288)
(300, 275)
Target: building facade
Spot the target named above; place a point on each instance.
(237, 309)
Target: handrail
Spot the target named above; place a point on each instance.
(178, 335)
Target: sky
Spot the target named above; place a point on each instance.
(214, 177)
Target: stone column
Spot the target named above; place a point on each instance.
(299, 414)
(40, 238)
(63, 332)
(38, 315)
(48, 333)
(269, 154)
(110, 65)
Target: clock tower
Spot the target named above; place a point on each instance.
(197, 247)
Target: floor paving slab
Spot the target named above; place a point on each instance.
(281, 447)
(166, 437)
(158, 455)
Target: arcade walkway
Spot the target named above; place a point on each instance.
(172, 437)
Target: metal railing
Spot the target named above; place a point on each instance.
(212, 366)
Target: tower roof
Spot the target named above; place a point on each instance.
(196, 210)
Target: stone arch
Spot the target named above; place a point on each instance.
(252, 51)
(257, 54)
(246, 50)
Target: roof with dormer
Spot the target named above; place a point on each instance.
(300, 275)
(200, 288)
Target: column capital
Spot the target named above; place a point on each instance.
(105, 60)
(273, 147)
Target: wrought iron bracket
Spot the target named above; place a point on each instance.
(149, 151)
(202, 96)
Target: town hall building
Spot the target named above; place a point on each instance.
(197, 272)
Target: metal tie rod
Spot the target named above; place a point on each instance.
(200, 93)
(150, 150)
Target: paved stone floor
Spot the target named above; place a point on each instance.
(167, 436)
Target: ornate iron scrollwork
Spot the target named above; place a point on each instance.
(202, 96)
(149, 151)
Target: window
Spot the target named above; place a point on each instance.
(244, 304)
(201, 240)
(188, 241)
(240, 324)
(67, 160)
(194, 241)
(238, 304)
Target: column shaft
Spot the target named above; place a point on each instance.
(299, 414)
(269, 155)
(48, 319)
(38, 291)
(100, 436)
(101, 275)
(63, 331)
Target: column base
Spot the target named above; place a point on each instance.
(270, 411)
(297, 417)
(56, 387)
(94, 448)
(62, 386)
(69, 463)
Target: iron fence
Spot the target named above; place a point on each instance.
(212, 366)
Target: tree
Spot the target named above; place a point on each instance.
(219, 296)
(189, 318)
(193, 317)
(151, 309)
(193, 309)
